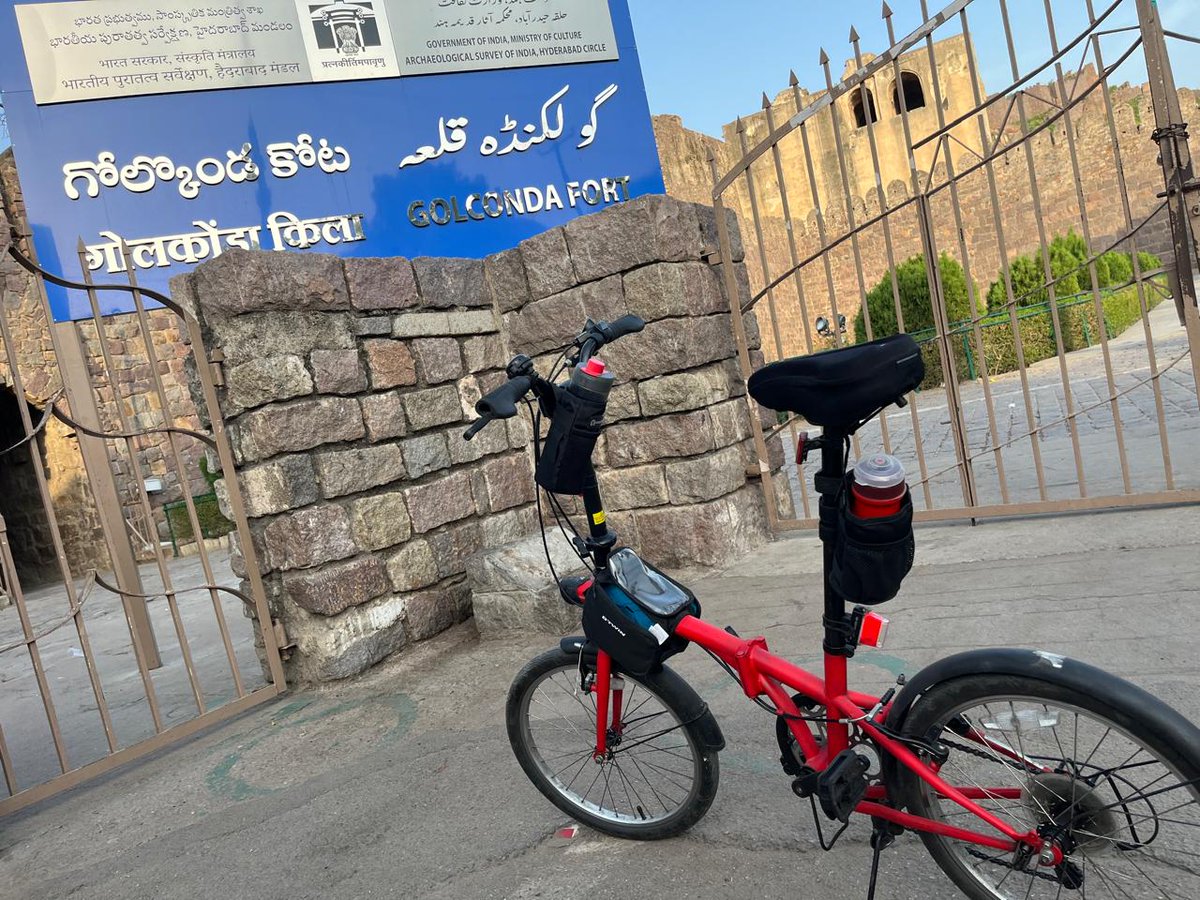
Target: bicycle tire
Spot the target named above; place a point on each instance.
(658, 689)
(1096, 828)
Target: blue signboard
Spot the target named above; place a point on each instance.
(167, 134)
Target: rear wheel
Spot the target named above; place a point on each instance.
(656, 780)
(1110, 781)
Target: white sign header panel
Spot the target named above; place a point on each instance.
(95, 49)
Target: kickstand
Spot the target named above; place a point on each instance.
(881, 838)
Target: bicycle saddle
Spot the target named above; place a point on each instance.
(842, 388)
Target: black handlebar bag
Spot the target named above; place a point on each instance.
(565, 463)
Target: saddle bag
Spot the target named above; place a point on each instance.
(872, 555)
(631, 612)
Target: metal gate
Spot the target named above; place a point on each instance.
(122, 648)
(1071, 382)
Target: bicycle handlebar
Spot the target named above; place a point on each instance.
(502, 402)
(629, 324)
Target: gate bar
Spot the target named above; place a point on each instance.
(851, 223)
(181, 469)
(1176, 158)
(799, 280)
(972, 296)
(1052, 292)
(1122, 189)
(739, 331)
(752, 191)
(39, 473)
(1098, 303)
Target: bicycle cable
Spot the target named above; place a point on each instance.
(778, 713)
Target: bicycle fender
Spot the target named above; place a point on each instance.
(691, 706)
(1051, 667)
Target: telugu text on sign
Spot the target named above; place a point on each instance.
(96, 49)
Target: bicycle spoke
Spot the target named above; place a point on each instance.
(658, 764)
(1131, 822)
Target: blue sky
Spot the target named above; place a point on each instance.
(711, 60)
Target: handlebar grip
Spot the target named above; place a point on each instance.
(502, 402)
(629, 324)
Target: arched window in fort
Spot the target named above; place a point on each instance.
(864, 107)
(914, 94)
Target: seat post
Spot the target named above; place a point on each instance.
(828, 482)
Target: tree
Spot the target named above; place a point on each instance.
(913, 287)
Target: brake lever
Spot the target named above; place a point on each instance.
(479, 425)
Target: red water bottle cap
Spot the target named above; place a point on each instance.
(594, 366)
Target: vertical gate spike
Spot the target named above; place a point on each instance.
(793, 81)
(766, 101)
(741, 126)
(887, 10)
(853, 35)
(824, 58)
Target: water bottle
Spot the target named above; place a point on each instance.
(879, 487)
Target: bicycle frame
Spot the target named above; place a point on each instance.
(762, 673)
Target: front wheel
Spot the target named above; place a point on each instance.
(1108, 775)
(658, 777)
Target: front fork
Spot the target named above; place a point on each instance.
(604, 683)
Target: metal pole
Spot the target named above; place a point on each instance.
(1183, 190)
(73, 365)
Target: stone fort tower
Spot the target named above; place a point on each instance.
(837, 164)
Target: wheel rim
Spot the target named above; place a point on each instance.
(651, 773)
(1126, 820)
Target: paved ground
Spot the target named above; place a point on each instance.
(401, 784)
(22, 714)
(1137, 409)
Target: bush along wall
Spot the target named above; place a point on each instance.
(1073, 289)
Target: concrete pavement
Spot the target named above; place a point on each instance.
(402, 784)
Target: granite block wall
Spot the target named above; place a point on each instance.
(348, 384)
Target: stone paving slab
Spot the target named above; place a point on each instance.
(402, 784)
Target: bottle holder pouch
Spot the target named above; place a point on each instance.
(872, 556)
(565, 466)
(636, 639)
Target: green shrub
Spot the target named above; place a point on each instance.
(1067, 253)
(208, 513)
(1120, 267)
(913, 287)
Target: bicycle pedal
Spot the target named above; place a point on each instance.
(843, 784)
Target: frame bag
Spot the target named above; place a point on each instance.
(637, 628)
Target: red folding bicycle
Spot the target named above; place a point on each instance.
(1026, 774)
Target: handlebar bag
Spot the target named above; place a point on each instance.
(872, 555)
(637, 629)
(565, 464)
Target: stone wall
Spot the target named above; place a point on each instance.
(688, 175)
(348, 385)
(131, 387)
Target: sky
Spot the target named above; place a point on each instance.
(710, 60)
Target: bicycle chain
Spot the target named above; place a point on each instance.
(979, 854)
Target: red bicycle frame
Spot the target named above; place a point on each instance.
(764, 674)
